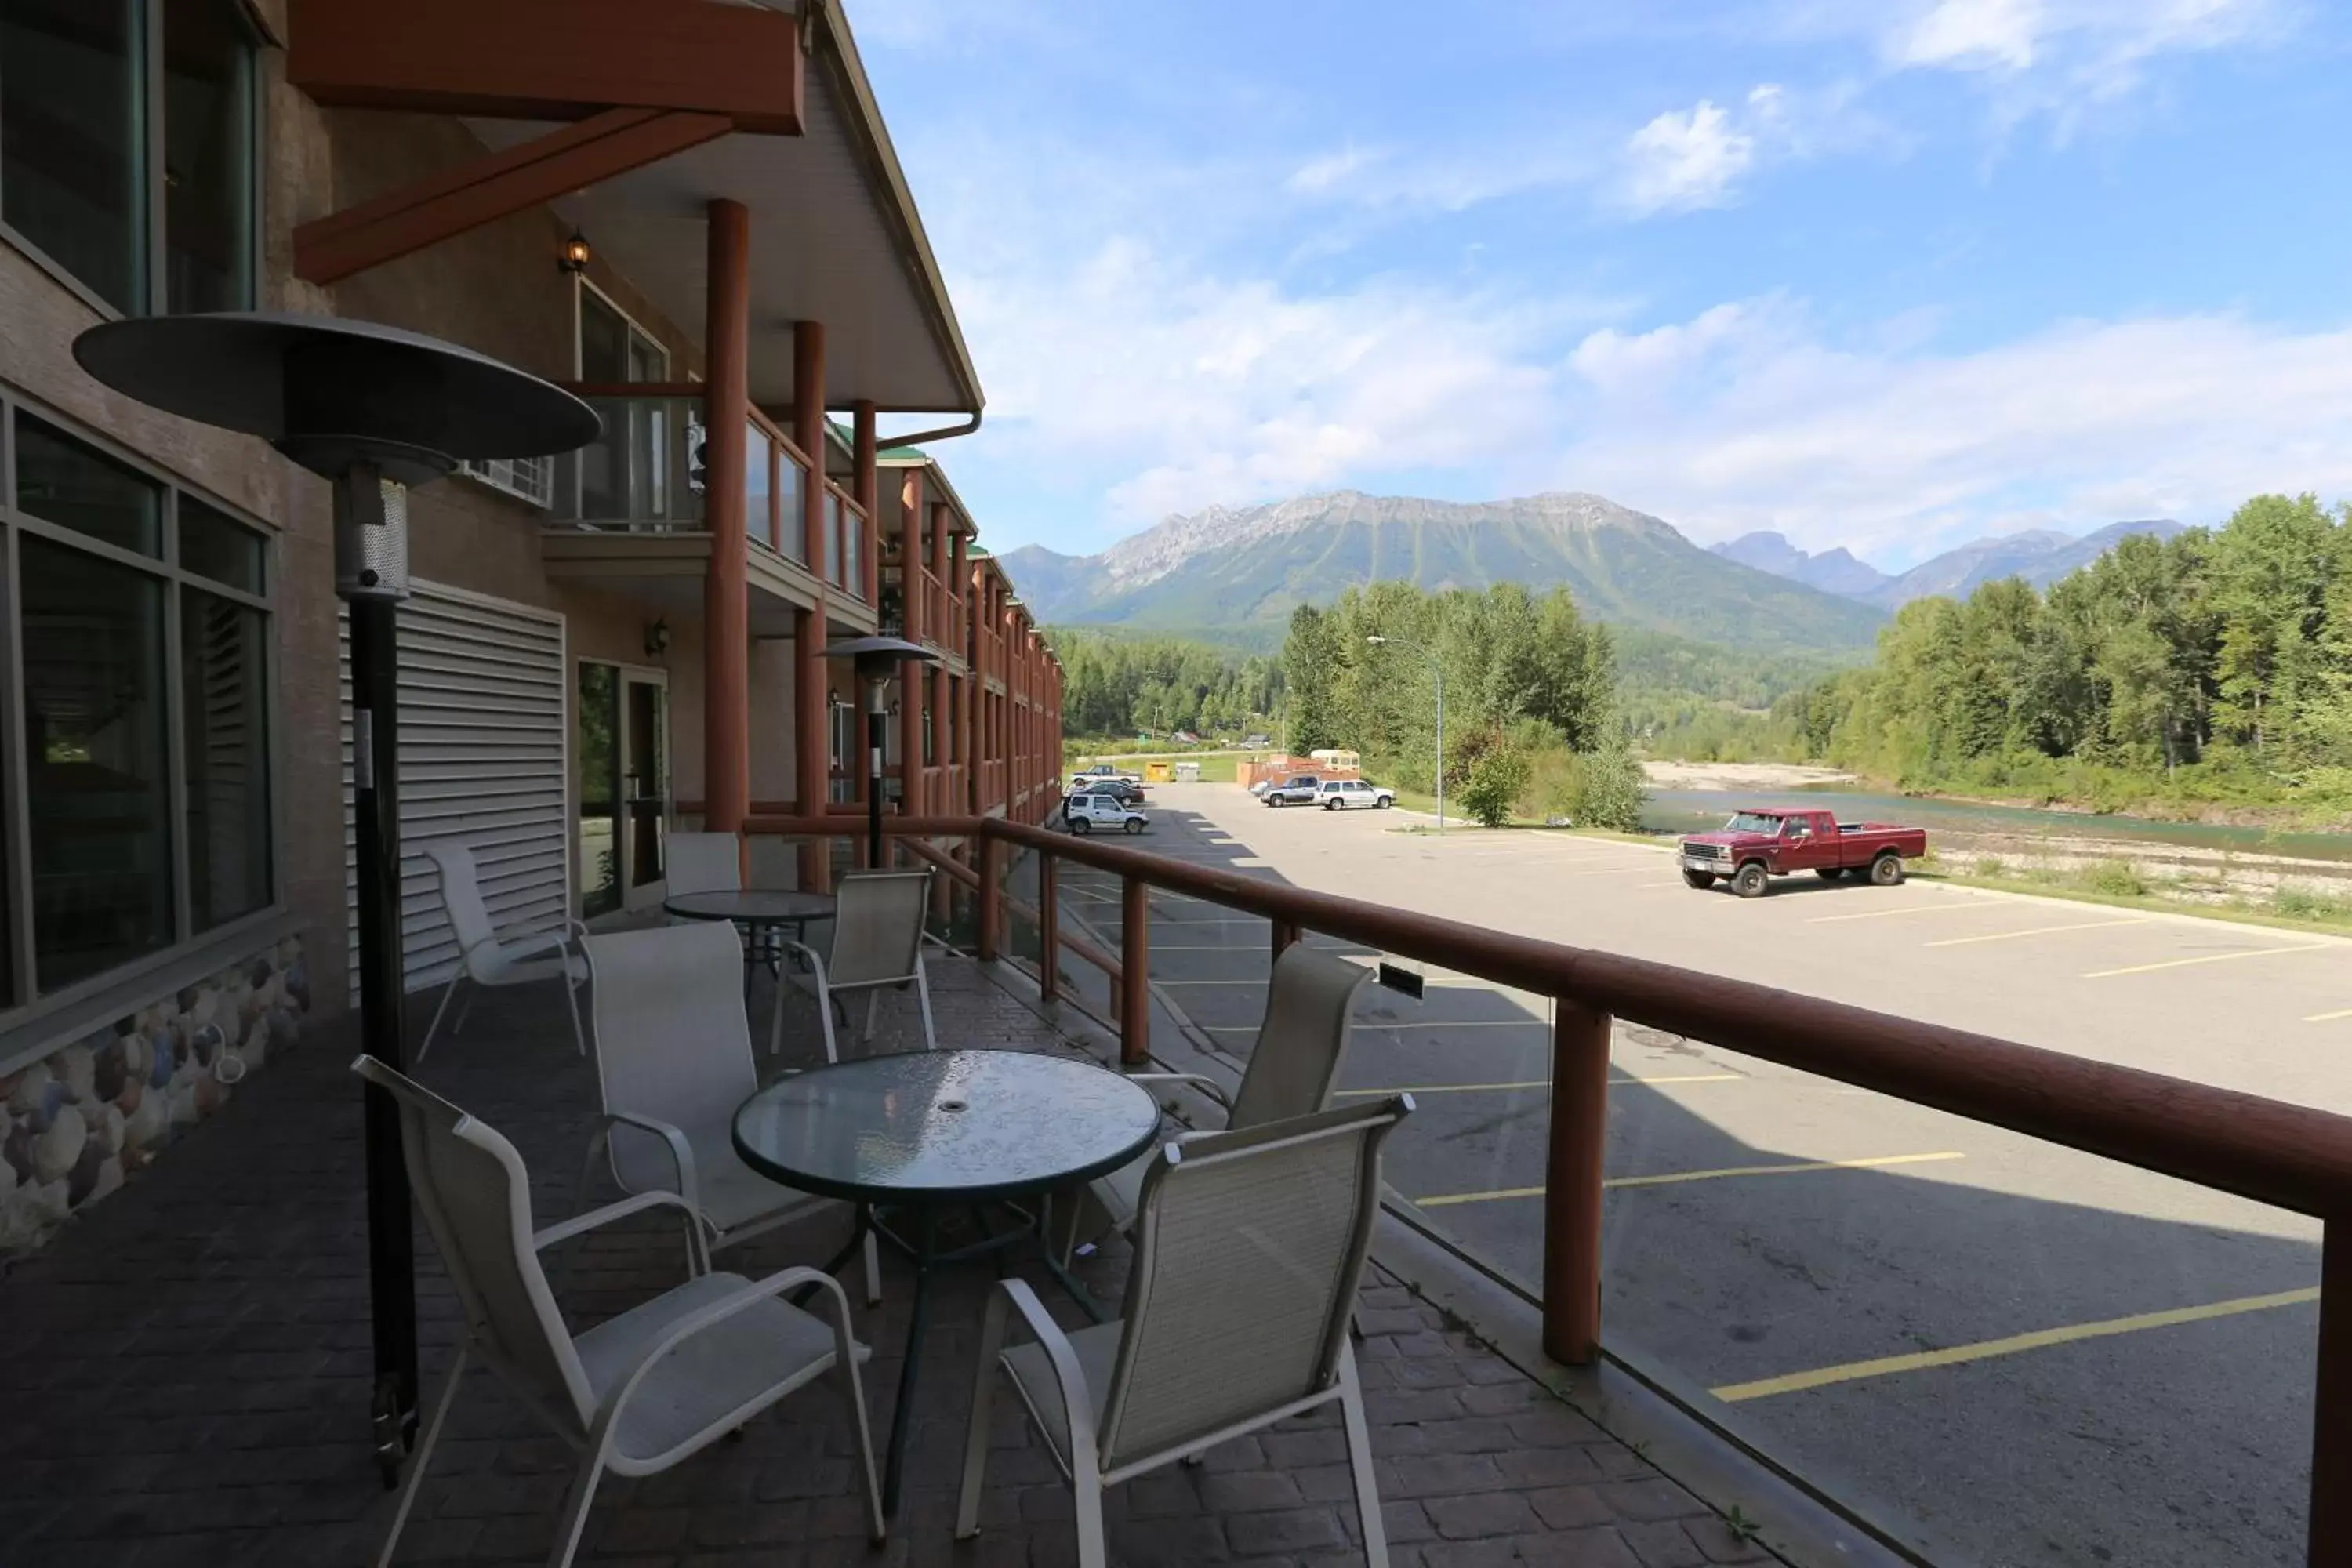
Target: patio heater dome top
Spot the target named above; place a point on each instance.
(328, 392)
(879, 658)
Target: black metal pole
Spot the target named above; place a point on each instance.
(375, 785)
(875, 720)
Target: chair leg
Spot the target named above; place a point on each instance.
(1360, 1461)
(854, 1390)
(571, 999)
(1092, 1551)
(873, 1271)
(423, 1458)
(575, 1517)
(923, 1000)
(465, 1011)
(824, 1020)
(984, 1395)
(873, 1009)
(433, 1028)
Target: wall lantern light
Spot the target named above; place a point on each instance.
(657, 638)
(575, 253)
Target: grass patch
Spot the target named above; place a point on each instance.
(2298, 903)
(2315, 911)
(2116, 878)
(1216, 767)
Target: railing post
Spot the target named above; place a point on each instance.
(1134, 973)
(1579, 1132)
(1285, 933)
(992, 899)
(2330, 1541)
(1049, 929)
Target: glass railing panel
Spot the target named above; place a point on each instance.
(792, 537)
(759, 479)
(641, 473)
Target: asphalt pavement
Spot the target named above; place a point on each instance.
(2012, 1353)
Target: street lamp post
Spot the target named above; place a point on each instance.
(1437, 673)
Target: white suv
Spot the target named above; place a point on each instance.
(1338, 794)
(1099, 809)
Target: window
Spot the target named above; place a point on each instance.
(144, 706)
(115, 111)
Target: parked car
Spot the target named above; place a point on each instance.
(1125, 791)
(1343, 795)
(1100, 808)
(1099, 773)
(1757, 846)
(1300, 789)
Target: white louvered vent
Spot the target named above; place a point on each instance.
(483, 757)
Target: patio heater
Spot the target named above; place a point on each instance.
(876, 660)
(375, 411)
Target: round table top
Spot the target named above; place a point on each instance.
(921, 1125)
(754, 906)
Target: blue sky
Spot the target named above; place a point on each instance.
(1890, 274)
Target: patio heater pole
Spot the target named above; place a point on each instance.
(876, 660)
(876, 728)
(372, 410)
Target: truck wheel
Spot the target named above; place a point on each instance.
(1135, 827)
(1886, 871)
(1751, 881)
(1829, 873)
(1383, 803)
(1330, 805)
(1698, 879)
(1081, 825)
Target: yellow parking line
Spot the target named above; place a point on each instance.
(1906, 910)
(2036, 931)
(1675, 1176)
(2329, 1017)
(2205, 958)
(2041, 1338)
(1534, 1083)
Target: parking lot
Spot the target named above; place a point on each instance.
(1919, 1312)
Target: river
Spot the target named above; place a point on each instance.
(1690, 810)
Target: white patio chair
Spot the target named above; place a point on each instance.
(486, 960)
(1294, 1061)
(1249, 1247)
(704, 863)
(673, 1062)
(877, 942)
(638, 1393)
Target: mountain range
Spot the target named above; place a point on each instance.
(2040, 555)
(1235, 568)
(1240, 570)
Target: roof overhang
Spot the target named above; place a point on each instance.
(835, 239)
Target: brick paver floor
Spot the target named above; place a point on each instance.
(186, 1372)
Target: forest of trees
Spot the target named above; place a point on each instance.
(2214, 667)
(1532, 726)
(1123, 686)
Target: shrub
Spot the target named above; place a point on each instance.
(2302, 903)
(1494, 770)
(2118, 879)
(1990, 866)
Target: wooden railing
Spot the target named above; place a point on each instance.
(2289, 1156)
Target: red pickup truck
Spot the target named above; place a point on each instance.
(1758, 845)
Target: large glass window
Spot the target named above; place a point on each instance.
(73, 139)
(208, 157)
(143, 703)
(82, 162)
(97, 752)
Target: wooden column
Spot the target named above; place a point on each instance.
(912, 684)
(1579, 1133)
(869, 495)
(726, 606)
(1135, 973)
(812, 727)
(1049, 927)
(935, 614)
(2330, 1539)
(992, 899)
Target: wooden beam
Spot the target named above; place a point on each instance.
(498, 185)
(551, 59)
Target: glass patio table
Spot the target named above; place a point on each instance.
(920, 1132)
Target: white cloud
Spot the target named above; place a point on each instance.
(1746, 419)
(2050, 56)
(1683, 160)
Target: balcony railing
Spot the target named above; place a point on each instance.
(647, 474)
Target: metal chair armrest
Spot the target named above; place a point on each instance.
(579, 1225)
(1077, 1400)
(681, 1153)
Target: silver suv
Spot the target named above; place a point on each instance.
(1340, 794)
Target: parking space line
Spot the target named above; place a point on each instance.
(2205, 958)
(1907, 910)
(1533, 1083)
(1674, 1177)
(2039, 1339)
(2328, 1017)
(2036, 931)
